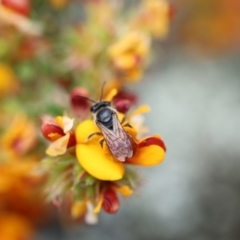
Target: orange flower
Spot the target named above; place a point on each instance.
(154, 18)
(58, 4)
(20, 198)
(20, 136)
(15, 227)
(128, 55)
(100, 162)
(8, 80)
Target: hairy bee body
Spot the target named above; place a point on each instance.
(117, 140)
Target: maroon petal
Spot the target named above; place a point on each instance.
(110, 202)
(122, 106)
(124, 95)
(49, 127)
(152, 141)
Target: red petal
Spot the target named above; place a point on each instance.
(72, 140)
(122, 106)
(110, 203)
(79, 101)
(19, 6)
(51, 128)
(124, 95)
(152, 141)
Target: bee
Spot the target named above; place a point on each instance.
(117, 139)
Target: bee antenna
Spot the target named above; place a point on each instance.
(88, 99)
(104, 83)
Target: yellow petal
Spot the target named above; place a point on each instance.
(58, 147)
(96, 160)
(134, 75)
(125, 190)
(125, 61)
(59, 121)
(111, 94)
(78, 209)
(141, 110)
(99, 205)
(8, 79)
(84, 129)
(148, 156)
(99, 163)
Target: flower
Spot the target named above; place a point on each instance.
(79, 102)
(58, 4)
(20, 21)
(58, 131)
(106, 199)
(89, 178)
(128, 55)
(19, 137)
(15, 227)
(154, 17)
(8, 80)
(99, 161)
(21, 199)
(22, 7)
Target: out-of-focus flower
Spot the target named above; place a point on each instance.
(19, 6)
(8, 80)
(123, 95)
(103, 165)
(122, 106)
(154, 17)
(58, 4)
(20, 199)
(20, 21)
(102, 12)
(15, 227)
(128, 55)
(79, 102)
(59, 132)
(19, 137)
(30, 47)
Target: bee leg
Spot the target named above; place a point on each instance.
(101, 142)
(127, 125)
(124, 119)
(93, 134)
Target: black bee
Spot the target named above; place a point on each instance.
(117, 139)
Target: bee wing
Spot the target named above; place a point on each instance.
(118, 141)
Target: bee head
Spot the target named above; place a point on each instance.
(100, 105)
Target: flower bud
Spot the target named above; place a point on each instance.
(79, 103)
(122, 106)
(110, 203)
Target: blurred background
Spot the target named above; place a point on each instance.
(192, 85)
